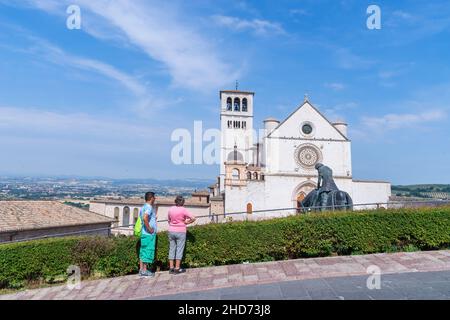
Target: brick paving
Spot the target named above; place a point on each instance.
(236, 277)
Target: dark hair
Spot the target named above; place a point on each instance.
(149, 195)
(179, 201)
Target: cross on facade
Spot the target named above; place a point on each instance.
(306, 97)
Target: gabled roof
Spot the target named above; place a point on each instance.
(28, 215)
(315, 109)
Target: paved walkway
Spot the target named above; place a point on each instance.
(397, 286)
(200, 279)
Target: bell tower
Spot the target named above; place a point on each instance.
(236, 125)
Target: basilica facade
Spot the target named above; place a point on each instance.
(273, 168)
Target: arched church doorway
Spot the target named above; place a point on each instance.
(300, 193)
(300, 197)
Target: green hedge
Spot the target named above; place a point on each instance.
(323, 234)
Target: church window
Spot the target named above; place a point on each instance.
(230, 124)
(229, 102)
(116, 215)
(126, 216)
(235, 174)
(135, 215)
(249, 175)
(244, 104)
(237, 104)
(249, 208)
(307, 155)
(255, 175)
(262, 176)
(307, 128)
(244, 125)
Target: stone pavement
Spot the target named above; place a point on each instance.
(434, 285)
(200, 279)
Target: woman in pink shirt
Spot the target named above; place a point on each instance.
(178, 218)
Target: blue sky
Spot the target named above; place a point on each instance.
(104, 100)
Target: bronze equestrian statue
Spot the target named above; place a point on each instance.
(327, 195)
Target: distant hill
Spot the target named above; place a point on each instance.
(427, 191)
(54, 188)
(193, 183)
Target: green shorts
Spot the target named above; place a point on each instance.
(148, 245)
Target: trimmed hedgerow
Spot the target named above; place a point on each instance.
(322, 234)
(39, 260)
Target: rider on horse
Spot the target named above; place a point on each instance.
(326, 196)
(325, 183)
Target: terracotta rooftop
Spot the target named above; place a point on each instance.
(28, 215)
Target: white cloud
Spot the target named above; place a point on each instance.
(258, 26)
(428, 19)
(396, 121)
(161, 31)
(346, 59)
(145, 100)
(403, 15)
(336, 113)
(163, 35)
(43, 142)
(37, 124)
(300, 12)
(44, 50)
(52, 6)
(428, 111)
(388, 74)
(57, 55)
(395, 70)
(336, 86)
(112, 73)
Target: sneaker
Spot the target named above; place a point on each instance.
(147, 273)
(172, 271)
(178, 271)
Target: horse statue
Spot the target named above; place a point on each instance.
(327, 196)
